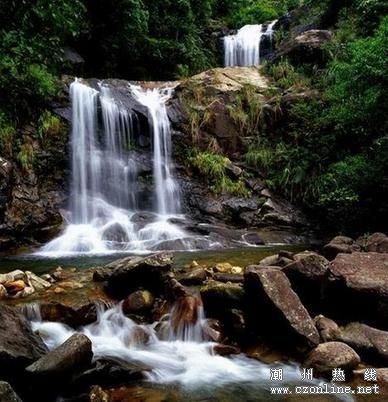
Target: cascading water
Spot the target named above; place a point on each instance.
(181, 355)
(104, 177)
(244, 48)
(166, 189)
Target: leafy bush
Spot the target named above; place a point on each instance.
(213, 166)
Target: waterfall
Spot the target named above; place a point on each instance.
(166, 189)
(187, 361)
(104, 182)
(244, 48)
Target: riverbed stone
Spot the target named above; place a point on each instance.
(340, 244)
(7, 394)
(218, 298)
(358, 288)
(128, 274)
(19, 346)
(377, 242)
(276, 311)
(139, 301)
(371, 343)
(331, 355)
(308, 275)
(195, 277)
(73, 356)
(75, 313)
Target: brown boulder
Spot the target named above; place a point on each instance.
(308, 274)
(19, 346)
(340, 244)
(225, 350)
(129, 274)
(276, 310)
(195, 277)
(358, 287)
(331, 355)
(377, 242)
(327, 328)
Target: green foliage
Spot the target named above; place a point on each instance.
(286, 75)
(246, 109)
(241, 12)
(360, 82)
(7, 134)
(26, 156)
(213, 166)
(50, 126)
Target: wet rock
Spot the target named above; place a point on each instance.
(139, 301)
(253, 238)
(74, 314)
(225, 350)
(212, 330)
(232, 278)
(382, 380)
(73, 356)
(218, 298)
(358, 287)
(7, 394)
(128, 274)
(330, 355)
(19, 346)
(327, 328)
(308, 274)
(11, 276)
(3, 292)
(275, 260)
(307, 47)
(369, 342)
(226, 268)
(275, 309)
(340, 244)
(108, 372)
(377, 242)
(37, 283)
(196, 277)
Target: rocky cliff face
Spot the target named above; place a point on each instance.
(204, 112)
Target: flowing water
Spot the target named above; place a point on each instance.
(104, 202)
(175, 352)
(244, 48)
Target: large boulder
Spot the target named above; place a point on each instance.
(308, 275)
(7, 394)
(377, 242)
(340, 244)
(19, 346)
(73, 356)
(219, 298)
(275, 310)
(128, 274)
(332, 355)
(77, 313)
(369, 342)
(308, 47)
(138, 302)
(358, 288)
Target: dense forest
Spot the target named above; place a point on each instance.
(331, 157)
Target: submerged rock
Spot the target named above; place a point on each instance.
(7, 394)
(332, 355)
(195, 277)
(275, 310)
(19, 346)
(73, 356)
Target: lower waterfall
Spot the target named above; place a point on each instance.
(103, 204)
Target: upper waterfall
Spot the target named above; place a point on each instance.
(244, 48)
